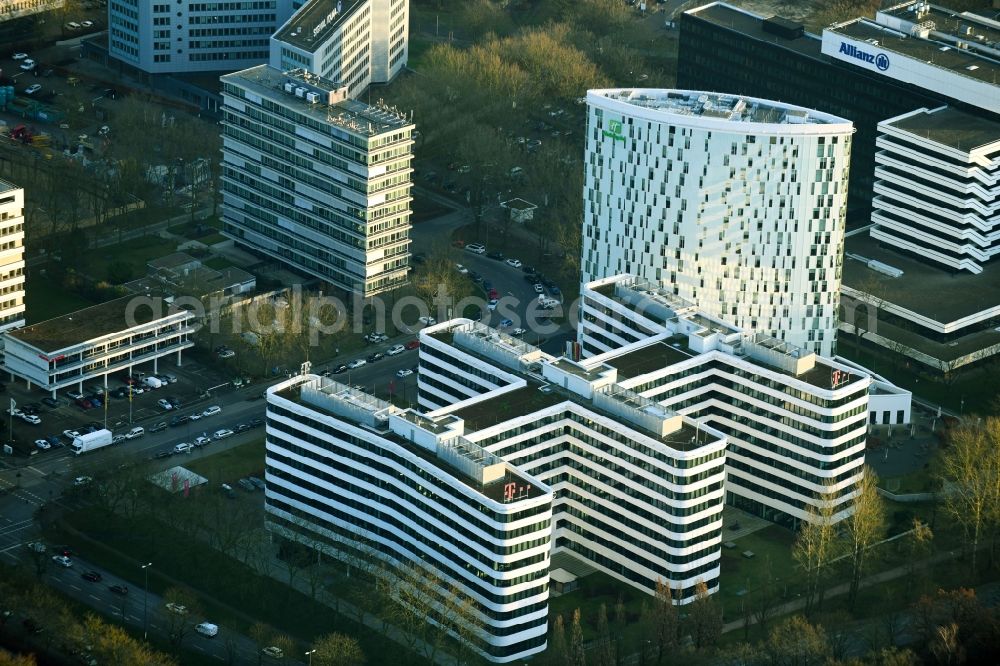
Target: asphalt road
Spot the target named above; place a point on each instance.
(130, 608)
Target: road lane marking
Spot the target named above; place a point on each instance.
(94, 597)
(198, 647)
(74, 587)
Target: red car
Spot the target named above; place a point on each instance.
(412, 344)
(83, 403)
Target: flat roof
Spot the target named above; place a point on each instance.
(494, 490)
(487, 413)
(317, 20)
(7, 186)
(719, 106)
(349, 115)
(932, 292)
(951, 127)
(90, 323)
(936, 53)
(946, 20)
(750, 24)
(651, 358)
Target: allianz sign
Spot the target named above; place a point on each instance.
(880, 60)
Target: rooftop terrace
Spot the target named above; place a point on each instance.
(347, 114)
(720, 106)
(456, 447)
(951, 127)
(651, 358)
(81, 326)
(309, 27)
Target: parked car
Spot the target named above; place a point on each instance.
(405, 372)
(257, 483)
(163, 454)
(412, 344)
(242, 427)
(256, 422)
(158, 427)
(195, 416)
(514, 263)
(429, 321)
(505, 323)
(71, 434)
(356, 363)
(183, 447)
(374, 358)
(202, 440)
(177, 609)
(167, 377)
(339, 369)
(274, 652)
(83, 403)
(228, 353)
(212, 411)
(32, 89)
(42, 444)
(207, 629)
(28, 65)
(62, 561)
(118, 439)
(518, 332)
(51, 402)
(55, 441)
(135, 433)
(164, 404)
(32, 419)
(222, 434)
(395, 349)
(246, 485)
(82, 481)
(20, 56)
(476, 248)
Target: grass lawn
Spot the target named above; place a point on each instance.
(918, 481)
(212, 239)
(135, 253)
(197, 228)
(44, 299)
(772, 547)
(426, 209)
(232, 464)
(218, 263)
(142, 217)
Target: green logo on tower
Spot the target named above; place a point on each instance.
(615, 130)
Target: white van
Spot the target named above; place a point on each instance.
(152, 382)
(207, 629)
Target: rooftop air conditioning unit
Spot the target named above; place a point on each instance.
(312, 97)
(289, 87)
(300, 92)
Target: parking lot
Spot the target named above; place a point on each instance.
(194, 389)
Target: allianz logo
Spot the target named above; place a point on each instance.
(880, 60)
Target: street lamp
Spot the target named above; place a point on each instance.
(145, 596)
(310, 655)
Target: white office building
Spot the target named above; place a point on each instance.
(316, 180)
(937, 188)
(162, 37)
(11, 256)
(13, 9)
(734, 203)
(96, 342)
(796, 422)
(353, 42)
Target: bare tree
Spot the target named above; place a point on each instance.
(971, 468)
(865, 527)
(704, 618)
(661, 620)
(815, 548)
(577, 651)
(337, 650)
(178, 621)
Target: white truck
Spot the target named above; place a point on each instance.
(152, 382)
(91, 441)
